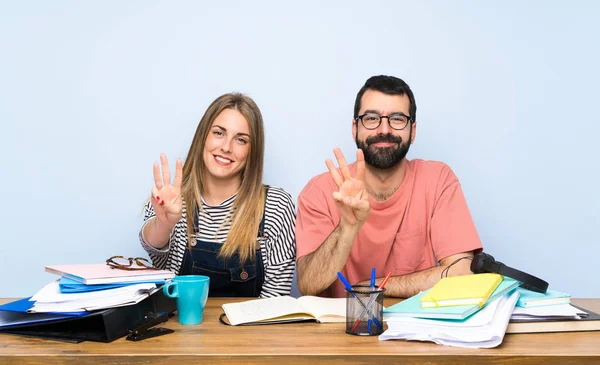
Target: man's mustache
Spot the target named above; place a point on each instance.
(389, 138)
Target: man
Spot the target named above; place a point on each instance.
(407, 217)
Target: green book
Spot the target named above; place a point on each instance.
(530, 298)
(411, 307)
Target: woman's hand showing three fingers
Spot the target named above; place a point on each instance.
(166, 197)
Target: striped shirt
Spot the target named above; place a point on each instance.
(278, 249)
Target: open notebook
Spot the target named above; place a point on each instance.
(286, 309)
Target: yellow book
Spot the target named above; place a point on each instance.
(461, 290)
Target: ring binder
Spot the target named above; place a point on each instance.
(104, 325)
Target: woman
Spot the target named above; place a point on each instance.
(240, 232)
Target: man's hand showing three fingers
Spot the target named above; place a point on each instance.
(352, 198)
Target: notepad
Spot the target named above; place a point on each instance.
(530, 298)
(411, 307)
(461, 290)
(286, 309)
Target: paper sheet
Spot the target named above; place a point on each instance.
(50, 299)
(548, 312)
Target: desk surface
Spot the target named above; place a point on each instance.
(298, 343)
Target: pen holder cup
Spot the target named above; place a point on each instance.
(364, 310)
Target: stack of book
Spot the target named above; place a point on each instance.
(478, 310)
(550, 312)
(90, 287)
(89, 302)
(464, 311)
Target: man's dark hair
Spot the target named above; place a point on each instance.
(389, 85)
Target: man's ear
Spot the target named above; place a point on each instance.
(413, 133)
(354, 130)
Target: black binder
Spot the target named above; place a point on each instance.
(101, 326)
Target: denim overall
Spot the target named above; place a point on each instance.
(228, 278)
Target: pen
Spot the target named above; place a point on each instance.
(349, 288)
(345, 282)
(373, 279)
(370, 303)
(373, 276)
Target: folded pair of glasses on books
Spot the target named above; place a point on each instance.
(129, 263)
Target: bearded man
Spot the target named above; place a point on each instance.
(399, 216)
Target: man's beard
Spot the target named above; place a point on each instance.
(383, 157)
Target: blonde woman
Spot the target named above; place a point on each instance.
(216, 218)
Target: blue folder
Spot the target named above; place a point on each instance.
(67, 285)
(15, 314)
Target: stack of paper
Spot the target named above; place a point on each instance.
(50, 299)
(552, 312)
(554, 318)
(484, 329)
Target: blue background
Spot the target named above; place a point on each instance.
(92, 92)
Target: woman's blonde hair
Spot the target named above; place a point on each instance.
(249, 204)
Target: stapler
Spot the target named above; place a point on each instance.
(145, 327)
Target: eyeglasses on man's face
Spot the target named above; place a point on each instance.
(396, 121)
(129, 263)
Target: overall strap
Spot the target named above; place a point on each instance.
(261, 226)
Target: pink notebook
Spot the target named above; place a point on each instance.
(103, 274)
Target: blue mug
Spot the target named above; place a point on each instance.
(191, 292)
